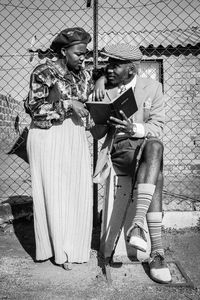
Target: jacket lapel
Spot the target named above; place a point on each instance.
(139, 92)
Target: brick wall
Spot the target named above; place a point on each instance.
(182, 132)
(14, 172)
(9, 109)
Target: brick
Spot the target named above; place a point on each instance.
(177, 75)
(197, 87)
(197, 205)
(192, 81)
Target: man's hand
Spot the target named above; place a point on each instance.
(124, 125)
(79, 109)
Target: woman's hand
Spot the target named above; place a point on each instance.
(124, 125)
(99, 89)
(79, 109)
(52, 115)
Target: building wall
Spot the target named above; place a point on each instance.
(182, 131)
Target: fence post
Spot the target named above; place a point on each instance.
(95, 143)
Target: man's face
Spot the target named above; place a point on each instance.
(117, 72)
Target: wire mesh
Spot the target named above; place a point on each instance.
(168, 34)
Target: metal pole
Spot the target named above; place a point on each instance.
(95, 143)
(95, 33)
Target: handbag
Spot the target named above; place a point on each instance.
(19, 147)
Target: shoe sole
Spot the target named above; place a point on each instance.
(160, 281)
(136, 243)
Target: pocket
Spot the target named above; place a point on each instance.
(123, 144)
(146, 113)
(146, 109)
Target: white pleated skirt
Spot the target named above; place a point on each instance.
(61, 177)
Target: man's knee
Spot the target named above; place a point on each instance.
(154, 148)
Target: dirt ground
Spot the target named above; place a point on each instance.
(23, 278)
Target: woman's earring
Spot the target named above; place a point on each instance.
(63, 52)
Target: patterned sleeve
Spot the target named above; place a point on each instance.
(42, 78)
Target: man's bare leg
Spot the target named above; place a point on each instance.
(149, 205)
(147, 177)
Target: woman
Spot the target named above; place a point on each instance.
(58, 151)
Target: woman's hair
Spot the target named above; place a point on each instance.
(48, 53)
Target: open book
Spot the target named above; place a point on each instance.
(102, 111)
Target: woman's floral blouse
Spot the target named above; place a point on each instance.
(50, 86)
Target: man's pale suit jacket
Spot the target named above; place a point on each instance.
(151, 113)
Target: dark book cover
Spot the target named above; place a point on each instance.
(102, 111)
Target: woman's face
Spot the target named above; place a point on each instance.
(75, 55)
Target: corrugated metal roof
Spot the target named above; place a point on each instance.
(161, 38)
(165, 39)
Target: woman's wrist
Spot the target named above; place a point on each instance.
(68, 106)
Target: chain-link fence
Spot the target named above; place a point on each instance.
(168, 34)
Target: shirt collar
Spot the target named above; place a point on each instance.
(132, 83)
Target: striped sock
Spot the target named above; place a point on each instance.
(145, 193)
(154, 221)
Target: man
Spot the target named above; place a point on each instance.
(123, 140)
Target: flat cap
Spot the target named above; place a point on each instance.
(125, 52)
(69, 37)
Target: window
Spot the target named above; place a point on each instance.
(151, 69)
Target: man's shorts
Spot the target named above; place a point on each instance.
(124, 154)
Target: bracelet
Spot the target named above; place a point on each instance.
(67, 105)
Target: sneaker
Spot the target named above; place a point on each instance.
(159, 271)
(137, 239)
